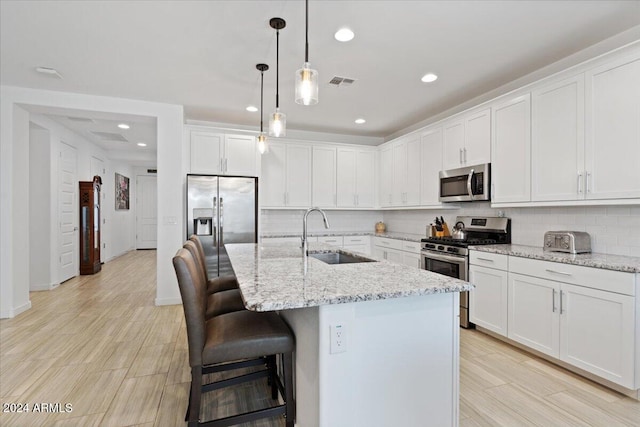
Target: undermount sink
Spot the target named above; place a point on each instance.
(339, 258)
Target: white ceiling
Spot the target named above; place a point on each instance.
(202, 54)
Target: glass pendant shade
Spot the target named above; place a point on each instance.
(306, 85)
(262, 143)
(277, 124)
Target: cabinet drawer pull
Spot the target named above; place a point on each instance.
(561, 311)
(579, 182)
(356, 240)
(485, 259)
(559, 272)
(553, 300)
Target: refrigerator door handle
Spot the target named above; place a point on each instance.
(221, 243)
(215, 222)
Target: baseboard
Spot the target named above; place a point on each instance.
(43, 287)
(168, 301)
(15, 311)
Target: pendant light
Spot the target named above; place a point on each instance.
(278, 120)
(306, 77)
(262, 139)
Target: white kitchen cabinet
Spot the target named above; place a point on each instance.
(400, 176)
(324, 176)
(511, 150)
(413, 166)
(355, 178)
(557, 141)
(584, 317)
(332, 240)
(358, 243)
(431, 166)
(405, 173)
(286, 176)
(488, 302)
(218, 153)
(612, 153)
(398, 251)
(386, 176)
(467, 140)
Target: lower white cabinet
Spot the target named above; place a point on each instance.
(398, 251)
(488, 301)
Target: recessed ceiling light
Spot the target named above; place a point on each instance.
(360, 121)
(141, 144)
(124, 126)
(429, 77)
(252, 109)
(344, 35)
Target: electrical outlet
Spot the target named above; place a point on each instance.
(338, 339)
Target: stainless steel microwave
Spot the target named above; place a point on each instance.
(468, 184)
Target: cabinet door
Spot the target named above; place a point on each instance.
(410, 259)
(431, 166)
(394, 256)
(477, 141)
(240, 155)
(488, 301)
(453, 145)
(324, 177)
(557, 141)
(365, 178)
(346, 177)
(413, 171)
(205, 152)
(534, 316)
(597, 333)
(511, 151)
(613, 135)
(399, 174)
(298, 176)
(273, 180)
(386, 176)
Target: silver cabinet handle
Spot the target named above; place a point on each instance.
(465, 154)
(558, 272)
(561, 311)
(579, 182)
(588, 179)
(461, 156)
(485, 259)
(553, 300)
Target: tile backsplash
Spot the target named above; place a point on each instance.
(613, 229)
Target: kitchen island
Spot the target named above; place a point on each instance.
(377, 343)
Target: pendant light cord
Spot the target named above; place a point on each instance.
(261, 97)
(277, 69)
(306, 32)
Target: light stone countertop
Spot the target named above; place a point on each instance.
(272, 277)
(605, 261)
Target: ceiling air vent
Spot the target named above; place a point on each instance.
(81, 119)
(109, 136)
(341, 81)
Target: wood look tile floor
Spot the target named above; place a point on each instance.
(99, 343)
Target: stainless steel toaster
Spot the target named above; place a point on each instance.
(573, 242)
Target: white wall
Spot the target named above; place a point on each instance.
(123, 221)
(14, 178)
(40, 223)
(613, 229)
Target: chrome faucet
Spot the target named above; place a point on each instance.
(304, 227)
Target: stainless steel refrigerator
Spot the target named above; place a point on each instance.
(220, 210)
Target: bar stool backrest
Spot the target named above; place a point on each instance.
(193, 249)
(193, 290)
(202, 259)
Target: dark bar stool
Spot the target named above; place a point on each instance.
(232, 341)
(217, 284)
(220, 302)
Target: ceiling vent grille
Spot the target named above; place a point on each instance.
(341, 81)
(109, 136)
(81, 119)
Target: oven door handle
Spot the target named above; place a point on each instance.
(439, 256)
(469, 178)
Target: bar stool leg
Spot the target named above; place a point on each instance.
(195, 396)
(287, 371)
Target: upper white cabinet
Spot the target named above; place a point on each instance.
(467, 140)
(511, 150)
(324, 176)
(219, 153)
(612, 119)
(431, 165)
(386, 176)
(355, 178)
(557, 141)
(286, 176)
(406, 171)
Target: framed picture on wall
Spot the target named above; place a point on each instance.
(122, 192)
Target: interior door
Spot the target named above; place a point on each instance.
(146, 212)
(67, 212)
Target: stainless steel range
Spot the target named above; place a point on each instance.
(449, 256)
